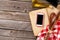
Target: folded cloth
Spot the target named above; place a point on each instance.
(54, 34)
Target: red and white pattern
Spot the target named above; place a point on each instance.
(54, 35)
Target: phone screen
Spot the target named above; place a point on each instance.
(39, 19)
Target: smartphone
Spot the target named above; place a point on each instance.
(39, 19)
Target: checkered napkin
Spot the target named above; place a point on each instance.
(54, 35)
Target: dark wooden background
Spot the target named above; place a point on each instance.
(14, 20)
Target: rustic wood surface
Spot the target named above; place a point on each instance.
(17, 16)
(15, 25)
(14, 20)
(15, 6)
(18, 0)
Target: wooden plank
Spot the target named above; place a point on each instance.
(28, 34)
(18, 0)
(26, 0)
(15, 6)
(5, 32)
(15, 17)
(22, 0)
(29, 39)
(18, 16)
(5, 38)
(12, 38)
(19, 39)
(25, 34)
(17, 34)
(16, 25)
(25, 39)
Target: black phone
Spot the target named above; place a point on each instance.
(40, 19)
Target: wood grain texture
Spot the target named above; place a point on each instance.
(17, 34)
(18, 16)
(14, 20)
(8, 33)
(25, 34)
(14, 38)
(25, 39)
(5, 32)
(15, 6)
(16, 25)
(18, 0)
(5, 38)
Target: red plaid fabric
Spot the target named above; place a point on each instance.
(54, 35)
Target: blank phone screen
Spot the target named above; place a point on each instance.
(39, 19)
